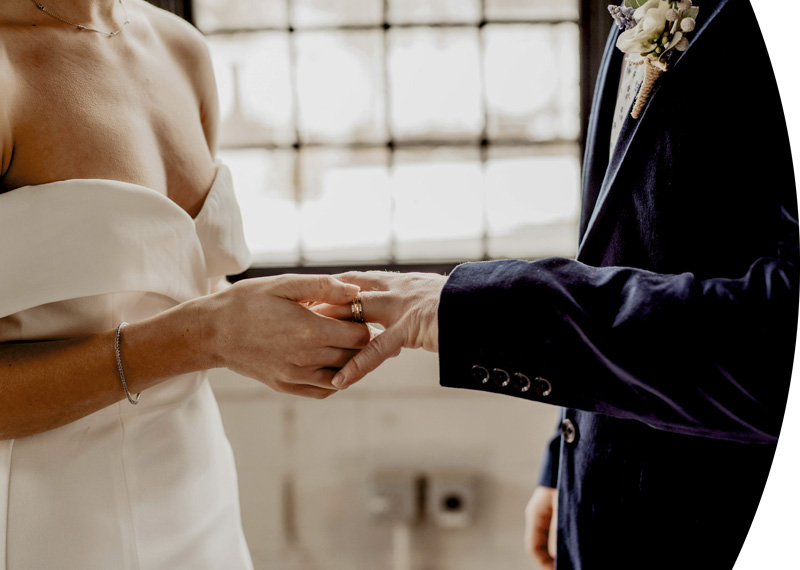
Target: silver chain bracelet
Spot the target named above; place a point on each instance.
(119, 365)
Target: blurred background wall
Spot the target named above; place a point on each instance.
(400, 135)
(307, 470)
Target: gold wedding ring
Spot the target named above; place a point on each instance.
(357, 309)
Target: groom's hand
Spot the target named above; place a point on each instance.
(405, 304)
(541, 516)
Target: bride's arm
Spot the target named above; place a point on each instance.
(44, 385)
(255, 327)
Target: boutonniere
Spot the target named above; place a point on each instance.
(651, 30)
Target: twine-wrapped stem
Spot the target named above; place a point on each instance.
(653, 69)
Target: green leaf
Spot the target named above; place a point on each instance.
(691, 13)
(675, 39)
(635, 3)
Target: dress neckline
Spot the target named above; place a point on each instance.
(133, 185)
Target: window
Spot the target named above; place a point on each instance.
(386, 132)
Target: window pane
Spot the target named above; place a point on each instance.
(435, 83)
(532, 201)
(254, 83)
(531, 9)
(532, 85)
(438, 204)
(340, 86)
(434, 11)
(336, 13)
(264, 186)
(436, 90)
(346, 211)
(240, 14)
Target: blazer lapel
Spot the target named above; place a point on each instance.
(630, 127)
(598, 134)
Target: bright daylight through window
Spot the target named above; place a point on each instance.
(399, 131)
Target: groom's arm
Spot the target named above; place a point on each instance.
(702, 356)
(710, 357)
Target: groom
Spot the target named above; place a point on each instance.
(669, 341)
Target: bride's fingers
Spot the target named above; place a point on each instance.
(339, 333)
(311, 288)
(329, 357)
(306, 377)
(339, 312)
(304, 390)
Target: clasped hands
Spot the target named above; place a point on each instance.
(295, 333)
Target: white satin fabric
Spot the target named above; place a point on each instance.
(147, 487)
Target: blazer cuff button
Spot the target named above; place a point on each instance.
(500, 377)
(480, 374)
(521, 382)
(542, 386)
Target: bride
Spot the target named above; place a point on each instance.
(114, 211)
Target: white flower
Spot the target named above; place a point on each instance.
(688, 24)
(651, 20)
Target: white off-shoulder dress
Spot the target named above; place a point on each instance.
(146, 487)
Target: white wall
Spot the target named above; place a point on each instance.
(305, 467)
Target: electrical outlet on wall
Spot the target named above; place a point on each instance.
(450, 498)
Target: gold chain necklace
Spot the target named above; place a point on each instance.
(82, 27)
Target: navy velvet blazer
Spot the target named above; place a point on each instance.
(669, 341)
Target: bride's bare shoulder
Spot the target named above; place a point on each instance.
(187, 46)
(183, 40)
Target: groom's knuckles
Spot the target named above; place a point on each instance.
(383, 307)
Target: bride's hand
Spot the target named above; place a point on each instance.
(262, 328)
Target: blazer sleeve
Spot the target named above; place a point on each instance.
(709, 357)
